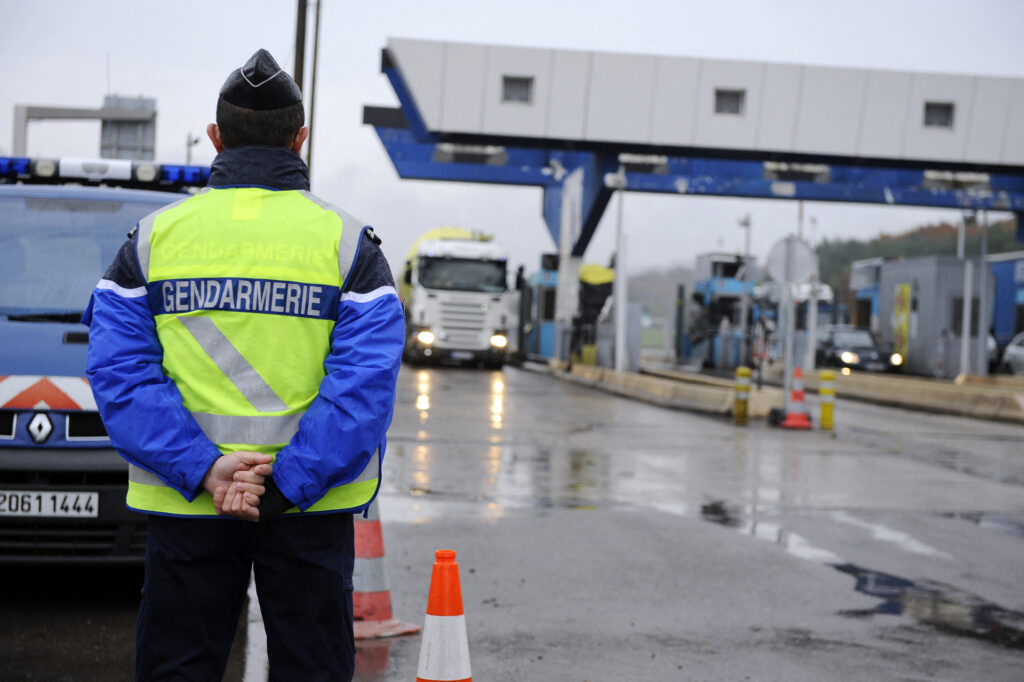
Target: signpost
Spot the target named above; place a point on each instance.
(791, 261)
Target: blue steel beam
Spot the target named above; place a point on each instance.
(431, 160)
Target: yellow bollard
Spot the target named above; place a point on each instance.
(827, 395)
(739, 411)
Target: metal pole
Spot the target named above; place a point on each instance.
(620, 291)
(312, 89)
(300, 43)
(961, 228)
(812, 323)
(680, 323)
(983, 312)
(790, 329)
(965, 319)
(190, 141)
(19, 144)
(745, 300)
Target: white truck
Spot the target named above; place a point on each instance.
(454, 285)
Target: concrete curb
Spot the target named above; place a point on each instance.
(996, 401)
(982, 402)
(704, 394)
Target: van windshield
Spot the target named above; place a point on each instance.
(458, 274)
(54, 250)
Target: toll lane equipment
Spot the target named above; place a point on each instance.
(742, 401)
(371, 596)
(827, 394)
(796, 413)
(444, 653)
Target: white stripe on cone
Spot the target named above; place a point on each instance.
(444, 654)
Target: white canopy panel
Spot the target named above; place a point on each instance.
(710, 104)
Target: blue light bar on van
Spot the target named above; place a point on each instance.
(187, 175)
(12, 167)
(103, 171)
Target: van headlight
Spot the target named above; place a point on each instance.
(896, 359)
(499, 340)
(849, 357)
(426, 337)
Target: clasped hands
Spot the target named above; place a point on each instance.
(236, 482)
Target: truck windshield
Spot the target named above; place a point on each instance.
(460, 274)
(54, 250)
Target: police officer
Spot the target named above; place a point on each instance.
(244, 348)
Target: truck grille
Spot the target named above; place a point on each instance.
(463, 324)
(72, 540)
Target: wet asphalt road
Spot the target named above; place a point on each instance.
(601, 538)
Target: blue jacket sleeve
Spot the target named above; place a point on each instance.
(348, 420)
(140, 406)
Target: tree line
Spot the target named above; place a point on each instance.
(836, 255)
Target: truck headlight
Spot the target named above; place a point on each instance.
(896, 359)
(849, 357)
(426, 337)
(499, 340)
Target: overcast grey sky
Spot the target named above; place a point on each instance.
(57, 52)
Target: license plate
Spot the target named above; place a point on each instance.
(876, 366)
(51, 503)
(461, 355)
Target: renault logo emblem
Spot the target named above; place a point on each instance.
(40, 427)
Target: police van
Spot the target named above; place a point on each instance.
(62, 485)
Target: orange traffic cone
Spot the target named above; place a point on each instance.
(796, 417)
(444, 653)
(371, 597)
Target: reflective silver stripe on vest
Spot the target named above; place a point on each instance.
(248, 430)
(351, 231)
(233, 364)
(371, 471)
(142, 245)
(140, 475)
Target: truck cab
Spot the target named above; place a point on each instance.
(457, 303)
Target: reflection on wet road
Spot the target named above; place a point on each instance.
(515, 439)
(481, 443)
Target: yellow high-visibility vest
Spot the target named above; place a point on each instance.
(244, 284)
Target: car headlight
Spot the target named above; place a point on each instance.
(849, 357)
(896, 359)
(426, 337)
(499, 340)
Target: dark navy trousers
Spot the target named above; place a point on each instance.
(197, 574)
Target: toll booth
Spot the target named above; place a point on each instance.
(921, 314)
(1008, 305)
(865, 278)
(715, 327)
(537, 309)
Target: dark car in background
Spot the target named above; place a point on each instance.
(849, 347)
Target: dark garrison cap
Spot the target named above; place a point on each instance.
(261, 84)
